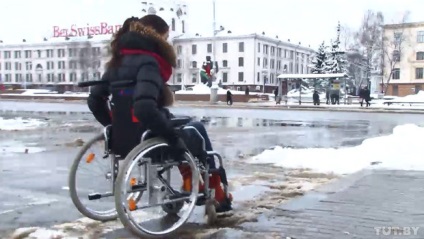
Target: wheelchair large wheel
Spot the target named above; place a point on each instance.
(84, 188)
(160, 195)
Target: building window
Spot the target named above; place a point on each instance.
(183, 26)
(61, 65)
(241, 46)
(241, 61)
(272, 63)
(209, 48)
(272, 51)
(419, 73)
(396, 74)
(179, 50)
(28, 65)
(224, 76)
(50, 53)
(8, 77)
(240, 76)
(39, 53)
(50, 65)
(179, 77)
(179, 63)
(193, 49)
(420, 56)
(265, 49)
(61, 53)
(224, 47)
(258, 77)
(420, 37)
(279, 52)
(278, 65)
(396, 56)
(18, 77)
(259, 47)
(61, 77)
(28, 77)
(224, 63)
(8, 66)
(7, 55)
(18, 66)
(72, 77)
(265, 63)
(173, 24)
(194, 78)
(259, 61)
(17, 54)
(28, 54)
(194, 64)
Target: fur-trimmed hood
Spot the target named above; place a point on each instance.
(145, 38)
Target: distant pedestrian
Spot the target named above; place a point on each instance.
(315, 98)
(277, 98)
(229, 98)
(327, 96)
(246, 91)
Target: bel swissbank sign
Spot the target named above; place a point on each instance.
(78, 31)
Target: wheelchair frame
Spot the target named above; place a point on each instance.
(202, 169)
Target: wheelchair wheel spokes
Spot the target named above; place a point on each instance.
(164, 206)
(91, 181)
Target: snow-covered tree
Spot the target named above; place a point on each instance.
(318, 62)
(336, 57)
(318, 66)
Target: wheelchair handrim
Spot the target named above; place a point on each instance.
(193, 196)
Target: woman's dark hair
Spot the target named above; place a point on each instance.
(114, 43)
(156, 23)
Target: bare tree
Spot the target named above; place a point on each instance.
(347, 38)
(369, 39)
(394, 40)
(85, 60)
(356, 64)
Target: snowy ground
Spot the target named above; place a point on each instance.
(259, 182)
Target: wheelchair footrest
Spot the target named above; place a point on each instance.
(97, 196)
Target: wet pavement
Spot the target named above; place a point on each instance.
(34, 186)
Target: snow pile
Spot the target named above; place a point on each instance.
(37, 92)
(400, 150)
(20, 123)
(201, 89)
(419, 97)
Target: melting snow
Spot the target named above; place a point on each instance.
(400, 150)
(20, 123)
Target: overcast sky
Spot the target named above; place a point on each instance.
(308, 21)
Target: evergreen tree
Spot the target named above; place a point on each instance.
(336, 59)
(318, 66)
(318, 63)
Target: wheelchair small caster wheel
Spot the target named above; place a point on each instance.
(172, 208)
(210, 211)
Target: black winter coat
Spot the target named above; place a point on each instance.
(141, 105)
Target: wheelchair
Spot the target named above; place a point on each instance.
(144, 181)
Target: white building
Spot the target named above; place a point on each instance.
(251, 60)
(79, 53)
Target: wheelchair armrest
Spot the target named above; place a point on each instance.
(179, 121)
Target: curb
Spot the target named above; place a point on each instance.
(252, 106)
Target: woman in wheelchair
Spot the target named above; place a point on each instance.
(142, 57)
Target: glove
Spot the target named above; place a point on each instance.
(177, 146)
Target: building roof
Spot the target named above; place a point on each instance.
(404, 25)
(229, 35)
(55, 41)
